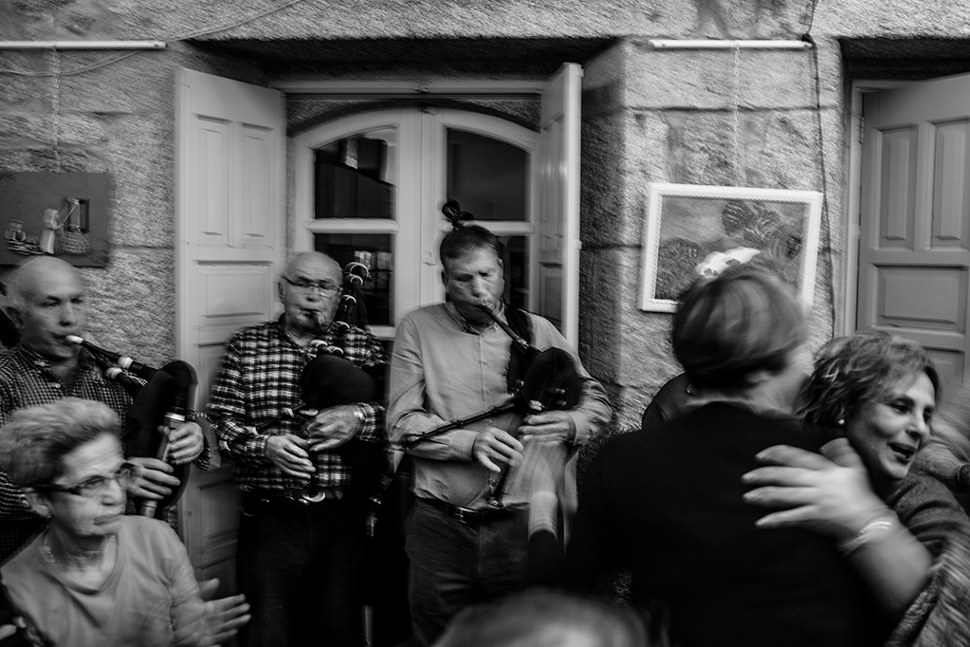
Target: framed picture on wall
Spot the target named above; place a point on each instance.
(56, 214)
(695, 229)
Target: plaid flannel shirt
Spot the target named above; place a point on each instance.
(259, 382)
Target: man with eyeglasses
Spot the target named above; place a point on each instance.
(47, 301)
(300, 534)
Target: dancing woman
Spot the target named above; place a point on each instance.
(902, 530)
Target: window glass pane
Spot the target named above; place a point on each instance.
(516, 263)
(351, 176)
(488, 177)
(374, 251)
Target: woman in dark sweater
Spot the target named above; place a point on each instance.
(668, 504)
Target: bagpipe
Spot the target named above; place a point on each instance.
(161, 402)
(330, 380)
(538, 381)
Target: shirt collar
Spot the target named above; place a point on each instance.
(84, 362)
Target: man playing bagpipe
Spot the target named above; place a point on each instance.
(302, 524)
(46, 300)
(467, 534)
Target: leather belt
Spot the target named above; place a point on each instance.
(302, 497)
(468, 516)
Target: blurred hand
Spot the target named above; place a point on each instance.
(185, 443)
(224, 616)
(154, 479)
(548, 426)
(210, 622)
(289, 453)
(493, 446)
(332, 427)
(828, 494)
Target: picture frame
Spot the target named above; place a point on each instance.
(55, 214)
(688, 223)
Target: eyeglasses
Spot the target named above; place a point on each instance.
(328, 288)
(95, 485)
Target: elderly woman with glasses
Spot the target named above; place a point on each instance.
(94, 576)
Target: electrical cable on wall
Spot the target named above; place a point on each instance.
(820, 131)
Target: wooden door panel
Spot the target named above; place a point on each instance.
(254, 199)
(950, 186)
(557, 224)
(931, 298)
(230, 223)
(212, 187)
(898, 194)
(914, 252)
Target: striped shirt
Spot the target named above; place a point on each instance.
(259, 382)
(444, 370)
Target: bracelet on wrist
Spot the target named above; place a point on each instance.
(879, 526)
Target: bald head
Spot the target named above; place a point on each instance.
(310, 258)
(47, 303)
(28, 275)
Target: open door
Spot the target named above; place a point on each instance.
(914, 250)
(230, 229)
(557, 262)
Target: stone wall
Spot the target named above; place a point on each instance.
(711, 117)
(649, 115)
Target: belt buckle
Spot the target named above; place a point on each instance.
(465, 516)
(312, 497)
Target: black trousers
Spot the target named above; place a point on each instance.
(300, 569)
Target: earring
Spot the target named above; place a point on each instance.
(841, 422)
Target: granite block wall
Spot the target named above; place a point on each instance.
(775, 119)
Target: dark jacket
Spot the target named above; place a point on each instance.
(667, 504)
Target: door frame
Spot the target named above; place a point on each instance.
(442, 88)
(853, 210)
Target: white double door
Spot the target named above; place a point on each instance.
(232, 241)
(371, 186)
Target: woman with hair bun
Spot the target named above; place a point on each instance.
(668, 505)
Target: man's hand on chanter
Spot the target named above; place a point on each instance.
(493, 446)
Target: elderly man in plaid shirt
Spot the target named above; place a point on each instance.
(300, 534)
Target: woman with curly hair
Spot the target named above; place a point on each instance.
(903, 530)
